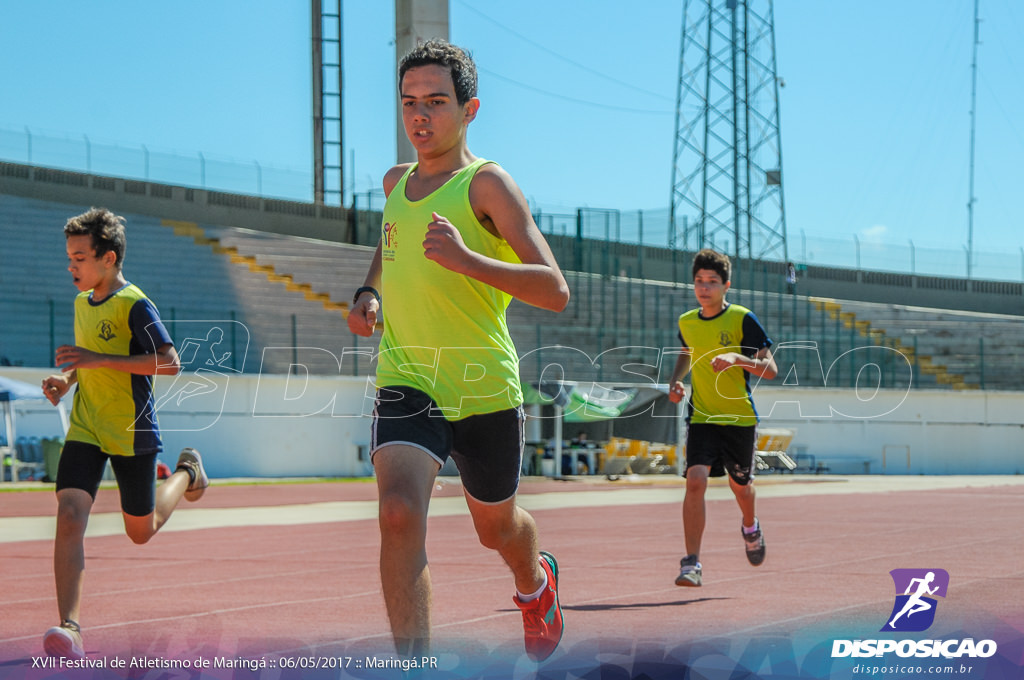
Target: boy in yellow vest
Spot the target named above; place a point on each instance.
(457, 244)
(120, 343)
(723, 344)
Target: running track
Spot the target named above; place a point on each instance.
(289, 572)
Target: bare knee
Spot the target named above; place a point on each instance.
(139, 529)
(138, 537)
(72, 517)
(398, 516)
(696, 483)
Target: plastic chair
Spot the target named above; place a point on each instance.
(24, 459)
(35, 450)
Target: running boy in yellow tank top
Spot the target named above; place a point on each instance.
(457, 243)
(120, 344)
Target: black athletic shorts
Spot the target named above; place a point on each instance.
(81, 467)
(725, 448)
(487, 448)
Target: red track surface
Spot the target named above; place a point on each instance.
(313, 589)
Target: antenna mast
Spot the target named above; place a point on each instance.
(727, 156)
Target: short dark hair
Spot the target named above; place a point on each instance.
(713, 260)
(106, 230)
(458, 61)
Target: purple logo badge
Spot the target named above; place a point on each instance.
(914, 609)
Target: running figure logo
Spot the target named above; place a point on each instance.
(211, 353)
(914, 609)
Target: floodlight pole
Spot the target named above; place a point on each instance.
(328, 147)
(974, 99)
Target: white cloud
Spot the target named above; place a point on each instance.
(876, 232)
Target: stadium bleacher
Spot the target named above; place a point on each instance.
(188, 282)
(291, 292)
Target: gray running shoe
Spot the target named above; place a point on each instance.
(689, 572)
(191, 462)
(64, 641)
(755, 545)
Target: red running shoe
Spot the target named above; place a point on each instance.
(542, 618)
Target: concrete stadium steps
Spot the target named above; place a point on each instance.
(295, 291)
(33, 274)
(153, 256)
(312, 277)
(301, 321)
(184, 273)
(254, 265)
(278, 317)
(585, 354)
(623, 302)
(607, 313)
(947, 344)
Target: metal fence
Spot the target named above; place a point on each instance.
(199, 170)
(629, 227)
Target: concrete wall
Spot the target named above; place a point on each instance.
(246, 425)
(166, 201)
(294, 426)
(893, 432)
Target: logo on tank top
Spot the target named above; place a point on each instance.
(389, 240)
(106, 330)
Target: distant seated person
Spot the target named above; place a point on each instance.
(581, 441)
(582, 460)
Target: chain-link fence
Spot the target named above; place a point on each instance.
(649, 228)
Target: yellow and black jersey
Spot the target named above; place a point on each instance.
(721, 398)
(113, 409)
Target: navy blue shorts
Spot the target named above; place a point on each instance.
(724, 448)
(487, 448)
(81, 467)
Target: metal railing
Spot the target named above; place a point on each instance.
(139, 162)
(636, 227)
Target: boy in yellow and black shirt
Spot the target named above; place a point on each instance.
(120, 344)
(722, 346)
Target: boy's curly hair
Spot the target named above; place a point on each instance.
(105, 228)
(713, 260)
(441, 52)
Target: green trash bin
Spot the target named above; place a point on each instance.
(51, 456)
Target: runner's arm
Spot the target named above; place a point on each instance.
(537, 281)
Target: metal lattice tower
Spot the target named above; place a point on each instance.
(328, 176)
(727, 157)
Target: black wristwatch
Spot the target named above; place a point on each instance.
(366, 289)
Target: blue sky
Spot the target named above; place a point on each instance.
(577, 101)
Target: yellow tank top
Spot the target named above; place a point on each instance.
(444, 333)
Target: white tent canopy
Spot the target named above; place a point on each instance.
(11, 391)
